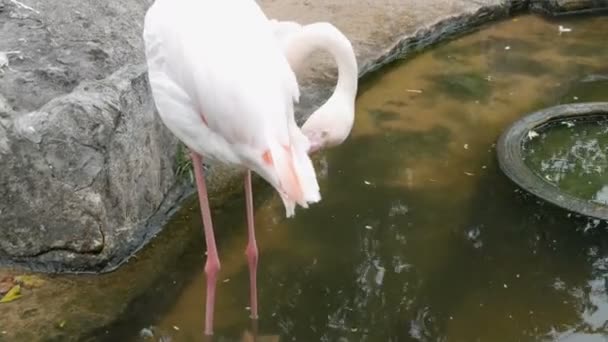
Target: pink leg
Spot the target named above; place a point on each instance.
(252, 248)
(212, 266)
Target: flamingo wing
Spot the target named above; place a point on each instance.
(223, 86)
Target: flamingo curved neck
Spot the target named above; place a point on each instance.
(327, 37)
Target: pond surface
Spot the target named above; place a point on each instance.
(573, 156)
(419, 236)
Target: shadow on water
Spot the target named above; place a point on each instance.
(419, 237)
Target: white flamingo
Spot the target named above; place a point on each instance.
(222, 83)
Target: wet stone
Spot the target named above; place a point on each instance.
(563, 7)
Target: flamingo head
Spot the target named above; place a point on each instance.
(331, 123)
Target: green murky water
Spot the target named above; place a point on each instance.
(572, 155)
(419, 236)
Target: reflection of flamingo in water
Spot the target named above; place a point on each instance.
(240, 110)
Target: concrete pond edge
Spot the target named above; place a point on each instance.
(509, 150)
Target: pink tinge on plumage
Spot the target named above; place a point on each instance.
(204, 119)
(288, 175)
(267, 158)
(295, 175)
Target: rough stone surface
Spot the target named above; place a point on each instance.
(85, 161)
(566, 7)
(82, 174)
(57, 44)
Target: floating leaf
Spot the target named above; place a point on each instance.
(12, 294)
(29, 281)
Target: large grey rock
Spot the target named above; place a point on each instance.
(58, 44)
(86, 164)
(83, 174)
(564, 7)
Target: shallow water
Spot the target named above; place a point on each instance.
(419, 236)
(572, 155)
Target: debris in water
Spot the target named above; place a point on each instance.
(398, 209)
(367, 182)
(226, 280)
(29, 281)
(13, 294)
(517, 275)
(417, 91)
(575, 98)
(568, 123)
(466, 146)
(176, 328)
(507, 47)
(505, 286)
(380, 272)
(368, 227)
(563, 29)
(484, 167)
(469, 173)
(62, 324)
(532, 134)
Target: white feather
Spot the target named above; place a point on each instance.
(223, 86)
